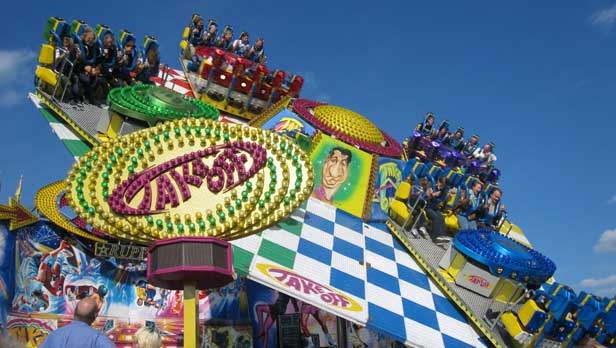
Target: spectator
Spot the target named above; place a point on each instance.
(456, 141)
(426, 128)
(242, 45)
(79, 334)
(147, 337)
(468, 207)
(485, 156)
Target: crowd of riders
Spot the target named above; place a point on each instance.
(91, 61)
(200, 34)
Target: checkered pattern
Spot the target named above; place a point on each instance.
(338, 249)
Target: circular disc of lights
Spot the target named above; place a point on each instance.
(151, 104)
(348, 126)
(189, 177)
(504, 256)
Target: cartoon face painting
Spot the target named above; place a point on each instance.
(334, 173)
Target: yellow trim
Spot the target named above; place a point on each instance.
(46, 55)
(527, 311)
(50, 104)
(45, 202)
(272, 111)
(190, 314)
(46, 75)
(456, 265)
(507, 291)
(512, 324)
(404, 191)
(444, 286)
(113, 130)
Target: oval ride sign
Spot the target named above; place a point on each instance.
(191, 177)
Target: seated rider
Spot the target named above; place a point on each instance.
(196, 33)
(87, 68)
(256, 52)
(489, 213)
(433, 210)
(467, 207)
(443, 132)
(225, 41)
(456, 141)
(241, 46)
(471, 146)
(484, 155)
(125, 62)
(110, 56)
(70, 52)
(150, 65)
(209, 39)
(426, 128)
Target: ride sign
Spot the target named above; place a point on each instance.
(189, 177)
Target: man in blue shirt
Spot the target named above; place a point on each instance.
(79, 334)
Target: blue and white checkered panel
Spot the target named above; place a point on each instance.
(335, 238)
(404, 303)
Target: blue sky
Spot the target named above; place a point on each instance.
(538, 79)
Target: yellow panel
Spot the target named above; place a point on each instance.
(585, 299)
(46, 75)
(403, 192)
(506, 292)
(190, 315)
(114, 125)
(186, 33)
(451, 221)
(458, 262)
(512, 325)
(400, 211)
(527, 311)
(46, 55)
(183, 44)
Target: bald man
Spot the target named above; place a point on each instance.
(79, 334)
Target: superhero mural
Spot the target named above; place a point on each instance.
(7, 265)
(53, 272)
(388, 178)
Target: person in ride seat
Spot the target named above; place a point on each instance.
(150, 65)
(426, 128)
(484, 155)
(471, 146)
(209, 38)
(435, 199)
(66, 54)
(196, 34)
(443, 132)
(467, 207)
(109, 59)
(225, 41)
(490, 212)
(125, 62)
(456, 141)
(88, 73)
(241, 46)
(256, 52)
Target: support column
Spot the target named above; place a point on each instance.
(190, 314)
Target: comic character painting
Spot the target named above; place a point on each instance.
(289, 124)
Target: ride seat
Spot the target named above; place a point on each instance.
(46, 75)
(186, 34)
(44, 72)
(46, 55)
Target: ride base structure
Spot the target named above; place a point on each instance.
(306, 227)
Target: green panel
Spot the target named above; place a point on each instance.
(76, 147)
(291, 225)
(277, 253)
(241, 260)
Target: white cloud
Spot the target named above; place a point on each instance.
(16, 75)
(608, 292)
(598, 282)
(612, 200)
(604, 19)
(606, 242)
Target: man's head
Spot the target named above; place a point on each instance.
(459, 133)
(259, 43)
(107, 40)
(477, 186)
(244, 37)
(87, 310)
(430, 119)
(336, 168)
(496, 195)
(228, 34)
(129, 46)
(474, 139)
(487, 148)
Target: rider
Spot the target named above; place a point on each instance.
(490, 211)
(468, 207)
(443, 132)
(225, 41)
(241, 46)
(471, 146)
(209, 39)
(485, 155)
(456, 141)
(197, 30)
(426, 128)
(256, 52)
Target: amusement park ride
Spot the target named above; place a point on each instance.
(220, 173)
